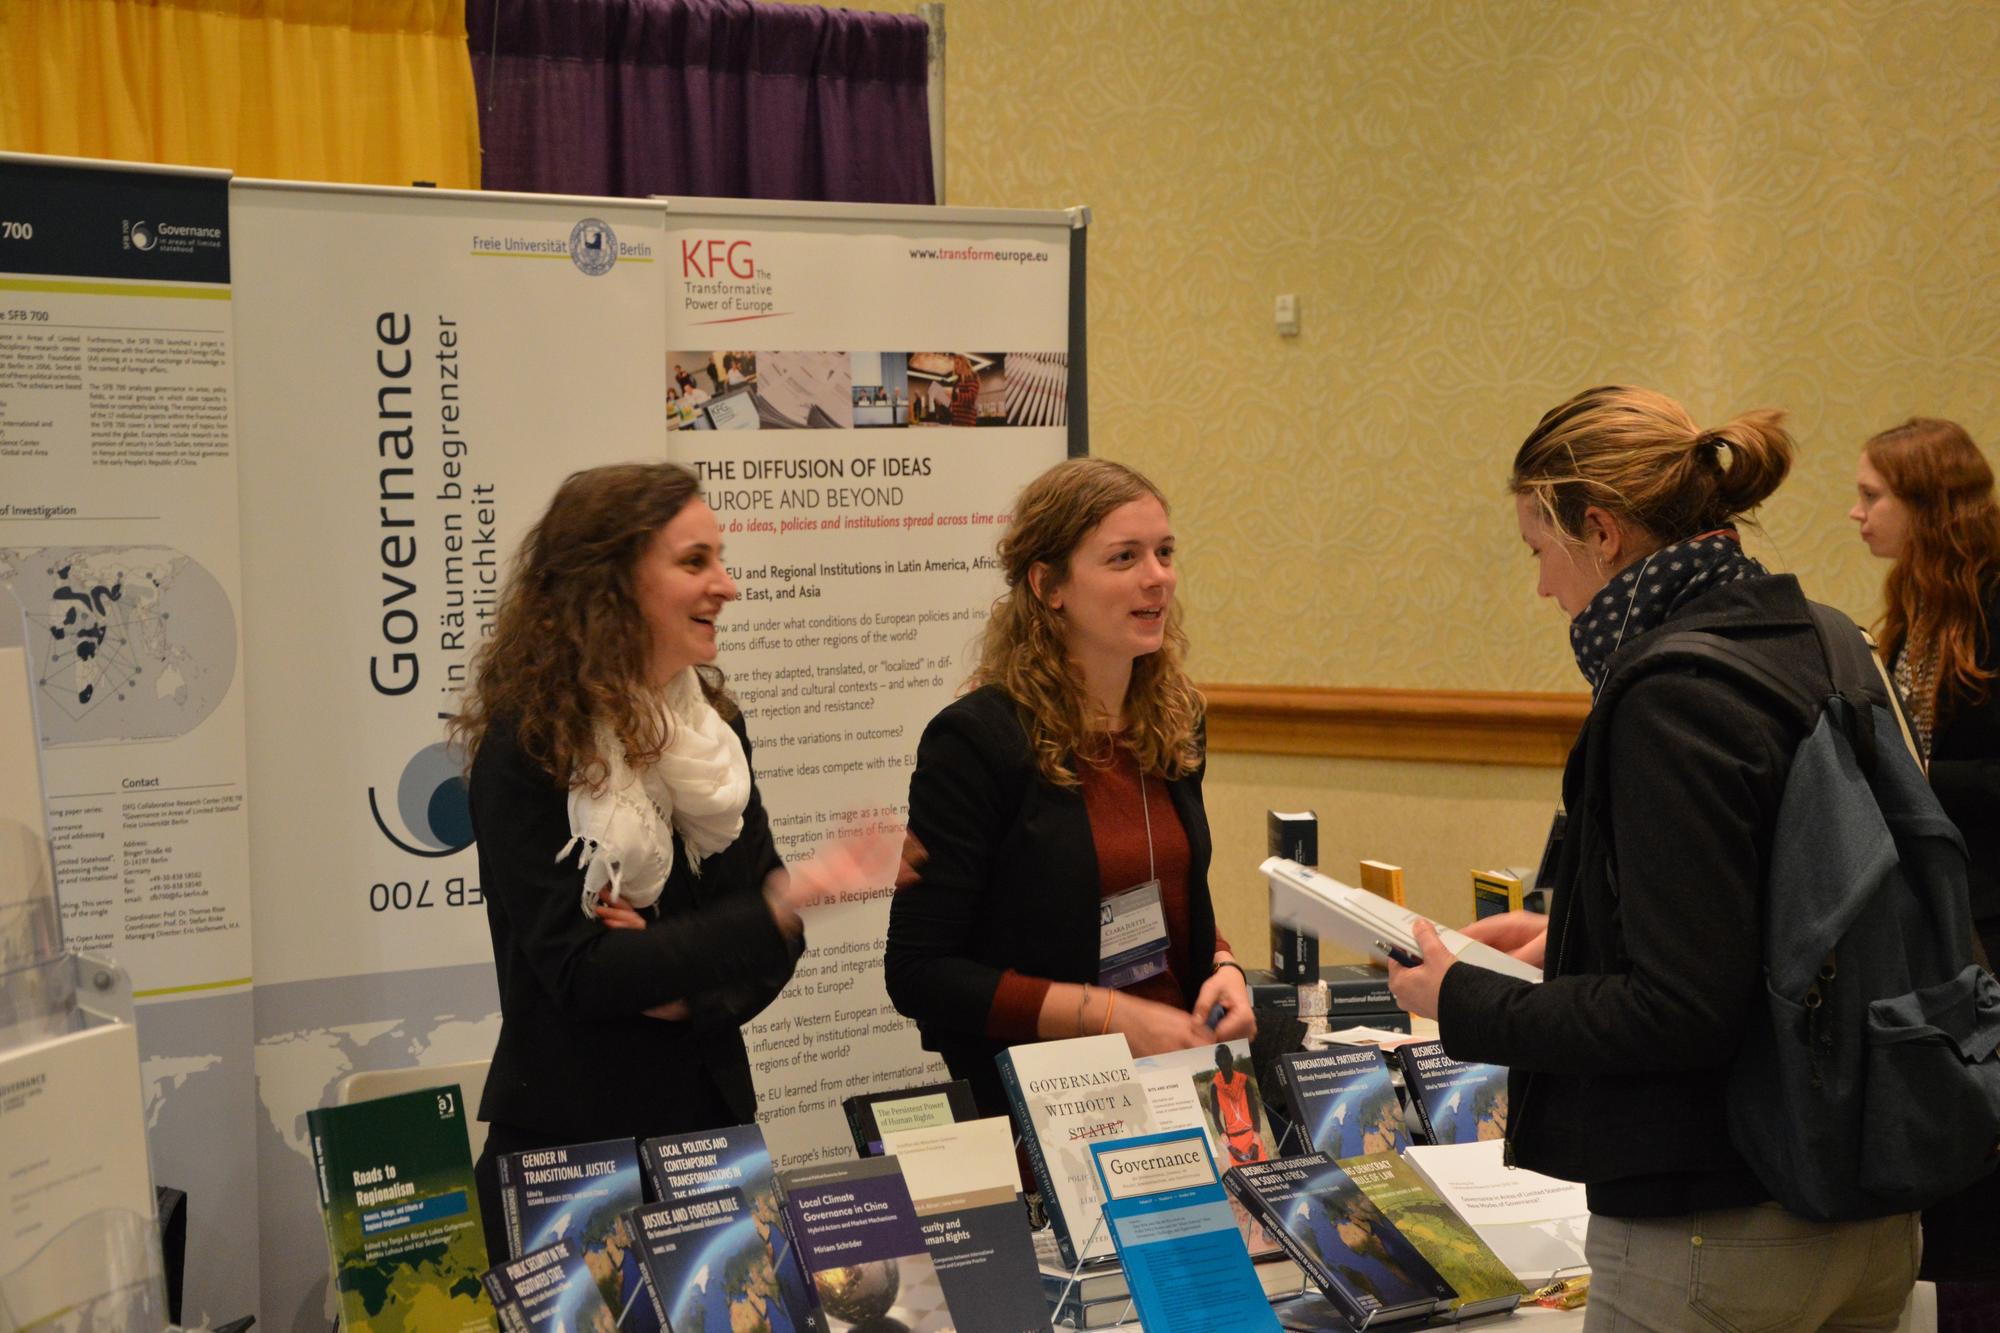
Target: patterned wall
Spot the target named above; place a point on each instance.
(1482, 207)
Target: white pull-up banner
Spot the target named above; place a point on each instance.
(863, 392)
(416, 372)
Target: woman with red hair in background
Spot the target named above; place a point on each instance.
(1926, 502)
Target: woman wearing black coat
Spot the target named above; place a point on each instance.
(639, 910)
(1652, 948)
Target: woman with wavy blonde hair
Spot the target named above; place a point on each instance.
(639, 911)
(1059, 804)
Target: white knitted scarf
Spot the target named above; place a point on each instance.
(698, 788)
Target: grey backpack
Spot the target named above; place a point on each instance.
(1871, 1083)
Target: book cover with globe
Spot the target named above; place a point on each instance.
(864, 1250)
(402, 1220)
(1342, 1100)
(578, 1193)
(681, 1166)
(1484, 1284)
(1457, 1101)
(708, 1264)
(551, 1290)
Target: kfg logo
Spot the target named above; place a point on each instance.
(712, 257)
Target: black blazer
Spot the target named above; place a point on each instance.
(1965, 772)
(1011, 881)
(577, 1060)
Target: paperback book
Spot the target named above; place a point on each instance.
(707, 1263)
(1214, 1090)
(1066, 1095)
(1343, 1100)
(679, 1167)
(551, 1290)
(1483, 1282)
(1456, 1101)
(1355, 1256)
(401, 1213)
(580, 1193)
(870, 1115)
(864, 1250)
(1309, 901)
(1176, 1238)
(1535, 1223)
(966, 1188)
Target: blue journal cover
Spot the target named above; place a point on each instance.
(1185, 1261)
(579, 1193)
(1456, 1101)
(1343, 1101)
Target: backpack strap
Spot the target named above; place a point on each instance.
(1692, 647)
(1858, 671)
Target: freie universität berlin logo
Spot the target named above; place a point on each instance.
(593, 246)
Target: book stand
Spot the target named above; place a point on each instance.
(1077, 1270)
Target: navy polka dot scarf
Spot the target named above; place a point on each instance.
(1642, 597)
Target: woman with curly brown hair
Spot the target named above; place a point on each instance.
(639, 911)
(1059, 804)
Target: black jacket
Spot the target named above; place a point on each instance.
(1011, 881)
(1653, 968)
(1965, 773)
(577, 1060)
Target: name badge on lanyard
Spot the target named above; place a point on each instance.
(1131, 936)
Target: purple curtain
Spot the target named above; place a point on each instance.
(701, 97)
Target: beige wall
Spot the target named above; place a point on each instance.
(1482, 207)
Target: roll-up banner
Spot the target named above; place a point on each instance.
(419, 370)
(118, 535)
(862, 390)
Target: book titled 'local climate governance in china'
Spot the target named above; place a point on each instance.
(1184, 1258)
(864, 1248)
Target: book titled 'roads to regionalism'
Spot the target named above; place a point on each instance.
(401, 1213)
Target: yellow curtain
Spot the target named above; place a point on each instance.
(367, 91)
